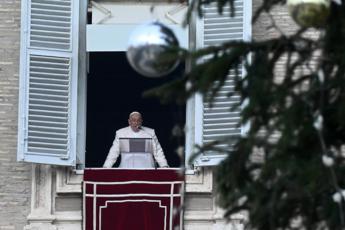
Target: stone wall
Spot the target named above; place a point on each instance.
(14, 177)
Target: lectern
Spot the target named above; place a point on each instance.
(132, 199)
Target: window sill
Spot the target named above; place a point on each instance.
(69, 180)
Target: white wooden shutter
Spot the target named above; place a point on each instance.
(218, 121)
(48, 81)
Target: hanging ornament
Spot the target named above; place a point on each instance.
(150, 50)
(309, 13)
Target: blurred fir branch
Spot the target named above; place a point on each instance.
(297, 124)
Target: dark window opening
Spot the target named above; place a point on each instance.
(114, 90)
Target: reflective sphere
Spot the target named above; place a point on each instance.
(151, 49)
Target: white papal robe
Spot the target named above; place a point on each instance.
(137, 149)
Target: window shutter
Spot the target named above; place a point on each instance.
(48, 82)
(218, 121)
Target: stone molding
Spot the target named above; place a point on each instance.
(68, 181)
(201, 180)
(41, 214)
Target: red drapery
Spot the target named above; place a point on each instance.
(132, 199)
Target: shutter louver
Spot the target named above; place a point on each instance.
(49, 85)
(50, 24)
(218, 120)
(48, 81)
(222, 28)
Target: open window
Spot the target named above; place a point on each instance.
(114, 90)
(53, 127)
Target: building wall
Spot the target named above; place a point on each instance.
(262, 29)
(14, 177)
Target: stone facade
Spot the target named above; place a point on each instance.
(15, 177)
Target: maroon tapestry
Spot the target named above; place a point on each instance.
(132, 199)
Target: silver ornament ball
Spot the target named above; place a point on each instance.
(149, 50)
